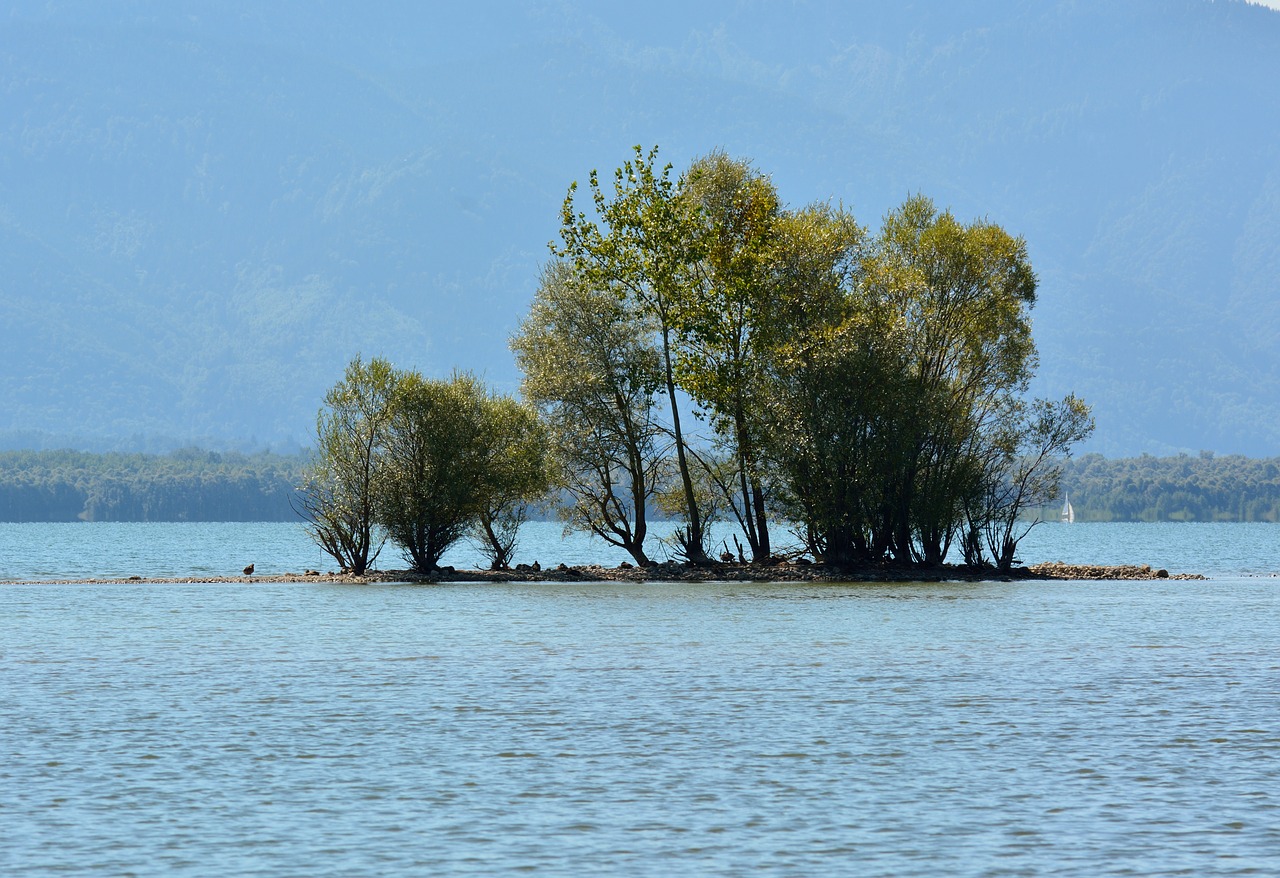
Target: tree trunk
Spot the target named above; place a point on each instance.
(696, 550)
(638, 497)
(752, 494)
(762, 522)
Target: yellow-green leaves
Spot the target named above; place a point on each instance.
(338, 498)
(419, 459)
(591, 365)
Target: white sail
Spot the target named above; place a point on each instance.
(1068, 512)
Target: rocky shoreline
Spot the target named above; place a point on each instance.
(674, 572)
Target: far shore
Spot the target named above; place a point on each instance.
(674, 572)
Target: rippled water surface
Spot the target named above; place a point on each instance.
(567, 729)
(183, 550)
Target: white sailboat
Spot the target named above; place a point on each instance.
(1068, 513)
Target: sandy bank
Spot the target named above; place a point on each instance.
(672, 572)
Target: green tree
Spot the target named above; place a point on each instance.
(338, 495)
(834, 435)
(735, 226)
(421, 462)
(515, 446)
(591, 367)
(1025, 472)
(829, 363)
(893, 367)
(964, 293)
(640, 248)
(435, 476)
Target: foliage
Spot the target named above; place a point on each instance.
(517, 469)
(835, 437)
(186, 485)
(1204, 487)
(430, 490)
(735, 226)
(963, 293)
(869, 386)
(893, 371)
(1024, 472)
(422, 461)
(338, 497)
(640, 249)
(592, 369)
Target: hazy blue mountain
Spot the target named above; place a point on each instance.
(206, 209)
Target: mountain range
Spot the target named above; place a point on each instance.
(207, 209)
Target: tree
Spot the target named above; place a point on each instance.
(590, 366)
(826, 371)
(419, 461)
(517, 469)
(893, 370)
(964, 292)
(735, 225)
(1025, 472)
(869, 388)
(435, 478)
(639, 248)
(834, 435)
(338, 496)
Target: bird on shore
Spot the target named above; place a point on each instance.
(248, 571)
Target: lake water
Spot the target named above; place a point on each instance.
(1076, 729)
(184, 550)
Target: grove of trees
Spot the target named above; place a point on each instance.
(421, 462)
(867, 388)
(1202, 487)
(199, 485)
(186, 485)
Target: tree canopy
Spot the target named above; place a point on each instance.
(186, 485)
(868, 387)
(338, 498)
(421, 462)
(592, 368)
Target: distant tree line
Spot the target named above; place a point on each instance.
(1182, 488)
(867, 388)
(186, 485)
(196, 485)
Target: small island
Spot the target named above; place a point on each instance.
(671, 571)
(698, 350)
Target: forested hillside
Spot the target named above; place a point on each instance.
(187, 485)
(195, 485)
(1182, 488)
(205, 211)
